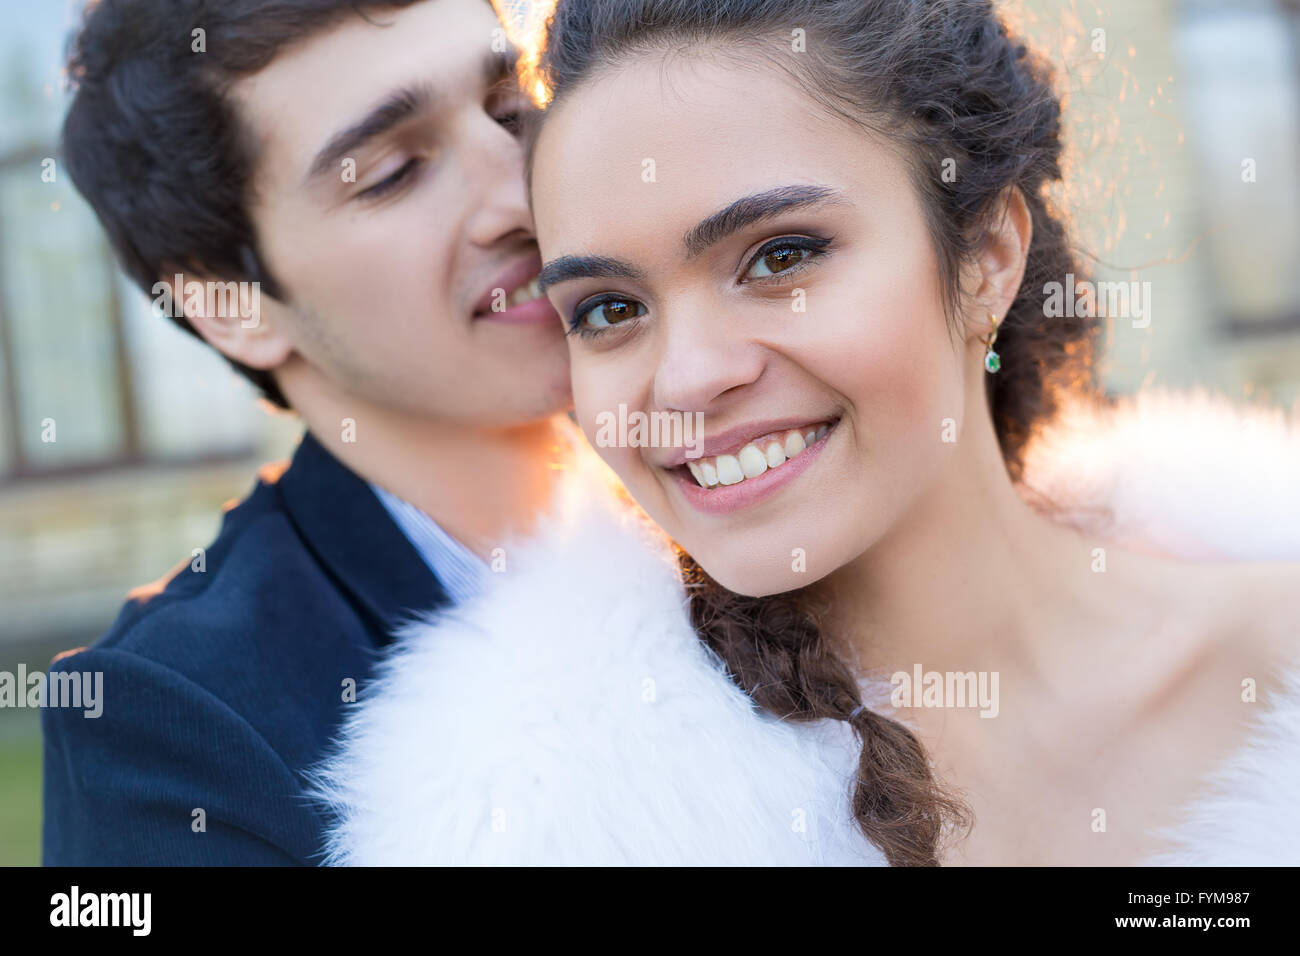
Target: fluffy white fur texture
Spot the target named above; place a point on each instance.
(570, 715)
(1195, 476)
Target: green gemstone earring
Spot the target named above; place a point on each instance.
(992, 361)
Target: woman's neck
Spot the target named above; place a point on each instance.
(972, 579)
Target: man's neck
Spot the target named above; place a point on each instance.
(481, 484)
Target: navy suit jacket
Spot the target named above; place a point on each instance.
(221, 686)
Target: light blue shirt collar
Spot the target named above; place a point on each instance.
(461, 572)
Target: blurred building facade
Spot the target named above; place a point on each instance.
(121, 436)
(1183, 121)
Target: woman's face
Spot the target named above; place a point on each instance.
(725, 249)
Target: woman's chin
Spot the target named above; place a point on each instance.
(751, 580)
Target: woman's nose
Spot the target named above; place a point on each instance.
(703, 358)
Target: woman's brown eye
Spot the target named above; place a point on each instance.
(610, 312)
(777, 260)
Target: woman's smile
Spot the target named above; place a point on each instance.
(753, 472)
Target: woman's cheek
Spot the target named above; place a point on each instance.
(586, 400)
(893, 365)
(596, 404)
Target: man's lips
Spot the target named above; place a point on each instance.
(521, 272)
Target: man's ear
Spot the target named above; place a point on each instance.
(231, 316)
(1001, 260)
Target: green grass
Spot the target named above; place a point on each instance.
(20, 798)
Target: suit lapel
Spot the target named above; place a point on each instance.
(355, 539)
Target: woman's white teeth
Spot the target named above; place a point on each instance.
(754, 459)
(729, 470)
(525, 293)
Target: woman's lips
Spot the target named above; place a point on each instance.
(724, 499)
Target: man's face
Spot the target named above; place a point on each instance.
(389, 201)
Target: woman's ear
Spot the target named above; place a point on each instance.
(231, 316)
(1001, 259)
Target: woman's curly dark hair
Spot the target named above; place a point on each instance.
(946, 81)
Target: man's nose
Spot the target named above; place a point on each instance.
(494, 168)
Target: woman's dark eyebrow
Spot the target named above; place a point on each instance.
(755, 208)
(743, 212)
(583, 267)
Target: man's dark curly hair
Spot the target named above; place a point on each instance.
(155, 144)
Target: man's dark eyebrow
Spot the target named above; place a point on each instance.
(496, 67)
(582, 267)
(755, 208)
(392, 112)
